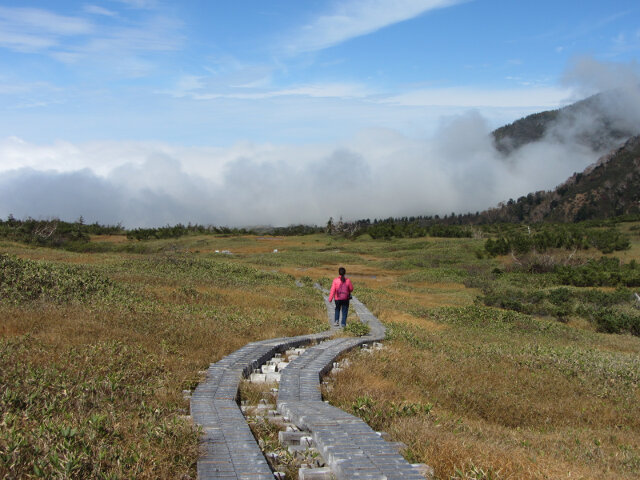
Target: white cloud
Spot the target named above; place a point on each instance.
(531, 95)
(7, 88)
(331, 90)
(98, 10)
(590, 76)
(203, 88)
(22, 42)
(327, 90)
(153, 35)
(187, 84)
(142, 4)
(43, 21)
(67, 57)
(353, 18)
(545, 97)
(122, 48)
(34, 29)
(378, 173)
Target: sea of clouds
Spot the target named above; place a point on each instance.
(375, 174)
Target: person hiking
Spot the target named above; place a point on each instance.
(341, 289)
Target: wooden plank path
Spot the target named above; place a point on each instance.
(349, 446)
(230, 450)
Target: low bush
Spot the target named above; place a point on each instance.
(357, 329)
(378, 414)
(606, 272)
(89, 413)
(27, 280)
(612, 320)
(180, 230)
(546, 237)
(54, 232)
(608, 311)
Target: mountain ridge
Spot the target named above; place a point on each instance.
(600, 122)
(607, 188)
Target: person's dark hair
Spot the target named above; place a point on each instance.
(341, 271)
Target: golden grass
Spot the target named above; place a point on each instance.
(494, 413)
(359, 274)
(177, 330)
(494, 417)
(110, 238)
(498, 407)
(392, 316)
(436, 296)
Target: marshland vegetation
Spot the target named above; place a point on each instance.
(497, 366)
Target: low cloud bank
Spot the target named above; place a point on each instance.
(378, 173)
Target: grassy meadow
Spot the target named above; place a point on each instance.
(492, 370)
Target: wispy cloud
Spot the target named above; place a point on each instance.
(121, 46)
(142, 4)
(624, 43)
(98, 10)
(590, 76)
(548, 97)
(18, 95)
(582, 29)
(15, 87)
(23, 42)
(44, 21)
(154, 35)
(354, 18)
(34, 29)
(254, 83)
(329, 90)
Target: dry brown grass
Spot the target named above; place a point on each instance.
(176, 329)
(519, 423)
(392, 316)
(498, 405)
(432, 297)
(110, 238)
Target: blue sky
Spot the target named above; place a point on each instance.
(203, 72)
(227, 79)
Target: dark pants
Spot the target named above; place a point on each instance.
(342, 305)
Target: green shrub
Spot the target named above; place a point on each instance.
(26, 280)
(548, 236)
(608, 311)
(609, 320)
(54, 232)
(357, 329)
(379, 414)
(560, 296)
(599, 273)
(605, 299)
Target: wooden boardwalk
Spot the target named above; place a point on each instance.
(351, 449)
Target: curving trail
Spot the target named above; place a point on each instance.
(349, 446)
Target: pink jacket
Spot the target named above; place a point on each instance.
(340, 290)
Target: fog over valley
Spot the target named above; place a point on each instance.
(379, 173)
(148, 112)
(376, 173)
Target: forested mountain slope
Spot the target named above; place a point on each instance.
(607, 188)
(601, 122)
